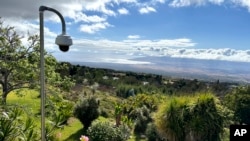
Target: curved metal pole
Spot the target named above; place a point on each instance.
(43, 8)
(42, 77)
(42, 70)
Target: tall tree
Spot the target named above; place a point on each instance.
(19, 64)
(16, 67)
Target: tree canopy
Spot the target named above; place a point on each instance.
(19, 64)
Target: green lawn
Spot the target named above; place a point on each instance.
(31, 103)
(71, 132)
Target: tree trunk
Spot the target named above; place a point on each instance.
(4, 96)
(4, 93)
(118, 120)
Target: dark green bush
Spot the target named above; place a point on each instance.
(87, 111)
(142, 118)
(239, 102)
(152, 133)
(106, 131)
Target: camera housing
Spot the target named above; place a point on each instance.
(63, 41)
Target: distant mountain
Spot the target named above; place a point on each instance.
(210, 70)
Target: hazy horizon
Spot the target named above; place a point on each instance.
(208, 70)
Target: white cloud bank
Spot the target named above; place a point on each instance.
(185, 3)
(123, 51)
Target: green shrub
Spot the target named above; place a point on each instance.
(142, 118)
(87, 111)
(59, 110)
(152, 133)
(106, 131)
(239, 102)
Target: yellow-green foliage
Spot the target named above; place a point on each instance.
(190, 118)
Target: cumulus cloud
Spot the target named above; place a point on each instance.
(160, 1)
(76, 10)
(183, 3)
(134, 36)
(244, 3)
(24, 16)
(125, 50)
(93, 28)
(93, 18)
(216, 1)
(146, 10)
(123, 11)
(214, 54)
(100, 6)
(25, 29)
(125, 1)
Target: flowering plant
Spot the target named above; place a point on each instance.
(84, 138)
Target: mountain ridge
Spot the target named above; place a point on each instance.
(209, 70)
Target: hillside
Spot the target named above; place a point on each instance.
(113, 81)
(137, 95)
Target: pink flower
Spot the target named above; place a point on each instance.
(84, 138)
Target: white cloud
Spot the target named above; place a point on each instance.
(123, 11)
(123, 61)
(125, 50)
(146, 10)
(100, 6)
(244, 3)
(26, 21)
(21, 26)
(83, 17)
(93, 28)
(183, 3)
(216, 1)
(213, 54)
(182, 42)
(158, 1)
(125, 1)
(134, 36)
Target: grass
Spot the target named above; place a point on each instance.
(72, 131)
(30, 101)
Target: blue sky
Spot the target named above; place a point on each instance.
(120, 30)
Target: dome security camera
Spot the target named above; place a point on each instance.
(63, 41)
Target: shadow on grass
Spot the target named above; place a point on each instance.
(76, 136)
